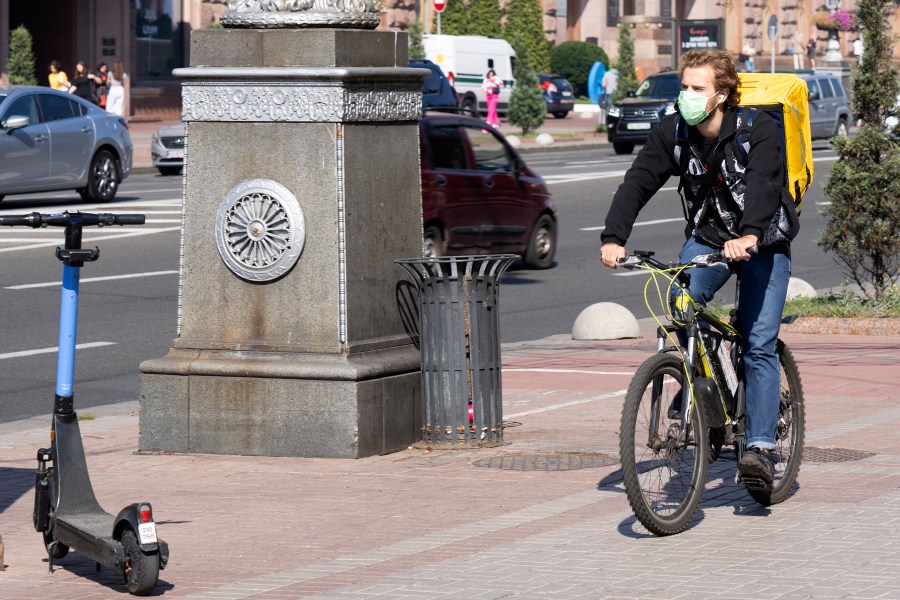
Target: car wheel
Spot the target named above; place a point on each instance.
(623, 147)
(471, 105)
(169, 170)
(561, 114)
(433, 242)
(841, 129)
(542, 245)
(103, 178)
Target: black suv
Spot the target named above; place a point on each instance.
(558, 94)
(436, 90)
(630, 120)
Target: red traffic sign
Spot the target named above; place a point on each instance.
(440, 5)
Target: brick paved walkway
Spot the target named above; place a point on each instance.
(451, 524)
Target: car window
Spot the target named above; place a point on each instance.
(22, 106)
(490, 153)
(562, 84)
(838, 88)
(659, 87)
(813, 87)
(827, 91)
(448, 151)
(55, 108)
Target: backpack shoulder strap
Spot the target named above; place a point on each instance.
(681, 152)
(745, 116)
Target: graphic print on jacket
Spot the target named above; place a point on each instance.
(724, 203)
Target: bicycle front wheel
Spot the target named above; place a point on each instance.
(789, 433)
(664, 470)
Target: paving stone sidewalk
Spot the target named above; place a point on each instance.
(544, 516)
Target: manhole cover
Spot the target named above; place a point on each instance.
(812, 454)
(547, 461)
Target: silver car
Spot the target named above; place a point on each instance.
(52, 140)
(167, 149)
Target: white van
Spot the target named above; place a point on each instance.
(466, 59)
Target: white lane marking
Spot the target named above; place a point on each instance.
(580, 371)
(96, 238)
(53, 350)
(27, 286)
(554, 179)
(565, 405)
(654, 222)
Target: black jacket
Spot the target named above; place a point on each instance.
(756, 211)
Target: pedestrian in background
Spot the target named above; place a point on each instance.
(491, 86)
(101, 84)
(82, 82)
(750, 52)
(858, 48)
(811, 52)
(797, 52)
(609, 83)
(57, 77)
(115, 102)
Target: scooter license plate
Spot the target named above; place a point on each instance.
(147, 533)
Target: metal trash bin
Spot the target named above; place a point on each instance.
(459, 338)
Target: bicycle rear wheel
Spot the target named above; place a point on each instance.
(664, 473)
(789, 433)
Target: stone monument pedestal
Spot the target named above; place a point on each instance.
(301, 188)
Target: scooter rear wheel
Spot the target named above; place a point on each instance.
(141, 568)
(58, 550)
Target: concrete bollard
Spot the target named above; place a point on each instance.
(797, 288)
(605, 321)
(544, 139)
(514, 141)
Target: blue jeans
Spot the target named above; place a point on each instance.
(764, 283)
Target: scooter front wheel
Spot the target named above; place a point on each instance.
(55, 550)
(141, 568)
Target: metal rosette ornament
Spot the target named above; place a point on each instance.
(298, 14)
(260, 230)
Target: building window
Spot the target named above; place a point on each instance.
(158, 36)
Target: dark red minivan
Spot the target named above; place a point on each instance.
(479, 196)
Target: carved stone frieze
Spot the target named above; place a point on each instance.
(282, 14)
(286, 103)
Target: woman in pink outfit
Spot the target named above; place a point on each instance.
(491, 86)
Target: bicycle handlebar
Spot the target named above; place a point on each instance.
(37, 220)
(702, 260)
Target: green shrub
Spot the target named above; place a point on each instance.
(527, 108)
(21, 59)
(864, 185)
(414, 30)
(625, 63)
(525, 22)
(573, 60)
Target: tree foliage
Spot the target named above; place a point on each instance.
(625, 63)
(573, 60)
(527, 108)
(455, 19)
(414, 30)
(525, 22)
(21, 58)
(864, 186)
(484, 18)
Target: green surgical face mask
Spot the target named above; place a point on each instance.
(692, 106)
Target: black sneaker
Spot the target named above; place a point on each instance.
(757, 470)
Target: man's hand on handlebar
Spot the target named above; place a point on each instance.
(611, 253)
(738, 249)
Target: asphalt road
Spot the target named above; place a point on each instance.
(128, 300)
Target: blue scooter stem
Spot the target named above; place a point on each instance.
(68, 325)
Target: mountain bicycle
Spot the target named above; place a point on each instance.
(687, 401)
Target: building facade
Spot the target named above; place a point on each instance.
(152, 37)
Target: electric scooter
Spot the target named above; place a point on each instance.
(65, 508)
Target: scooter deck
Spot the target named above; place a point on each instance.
(90, 534)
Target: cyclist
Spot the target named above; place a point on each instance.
(730, 208)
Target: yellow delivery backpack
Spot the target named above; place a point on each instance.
(785, 98)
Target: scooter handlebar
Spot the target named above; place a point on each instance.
(37, 220)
